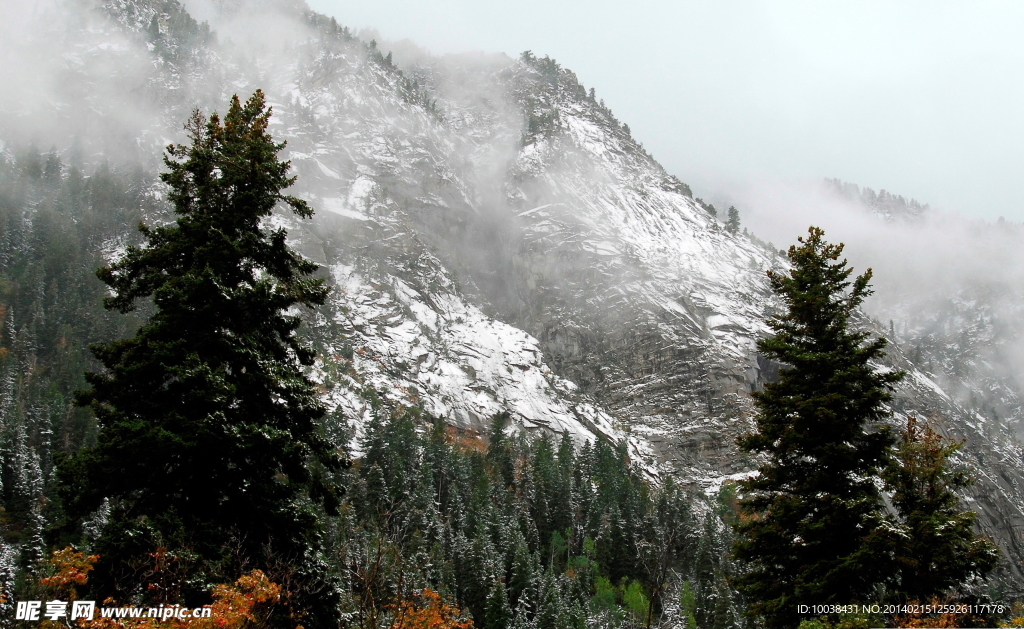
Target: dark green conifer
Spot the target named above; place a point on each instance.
(725, 616)
(732, 222)
(666, 538)
(706, 574)
(545, 475)
(525, 573)
(812, 515)
(389, 464)
(551, 610)
(688, 605)
(498, 613)
(500, 451)
(210, 444)
(939, 548)
(562, 499)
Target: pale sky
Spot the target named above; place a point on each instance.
(923, 99)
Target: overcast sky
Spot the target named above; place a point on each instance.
(924, 99)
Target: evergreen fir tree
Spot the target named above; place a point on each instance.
(706, 576)
(8, 574)
(498, 613)
(210, 443)
(688, 605)
(725, 616)
(545, 474)
(499, 449)
(437, 453)
(549, 615)
(521, 618)
(388, 468)
(939, 550)
(812, 519)
(23, 499)
(666, 538)
(376, 494)
(732, 222)
(525, 576)
(562, 499)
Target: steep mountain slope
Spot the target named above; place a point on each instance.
(496, 239)
(639, 296)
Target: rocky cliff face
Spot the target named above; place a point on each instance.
(497, 241)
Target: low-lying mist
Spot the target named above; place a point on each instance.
(950, 283)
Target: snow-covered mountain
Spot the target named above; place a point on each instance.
(496, 239)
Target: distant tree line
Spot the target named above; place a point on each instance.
(888, 205)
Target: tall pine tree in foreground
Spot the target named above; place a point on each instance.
(812, 523)
(210, 446)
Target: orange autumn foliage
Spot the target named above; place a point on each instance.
(428, 611)
(71, 568)
(245, 604)
(942, 621)
(1016, 616)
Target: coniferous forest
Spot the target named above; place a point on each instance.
(186, 458)
(513, 530)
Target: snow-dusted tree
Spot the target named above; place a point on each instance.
(668, 533)
(813, 515)
(938, 549)
(23, 482)
(8, 574)
(498, 612)
(210, 443)
(732, 221)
